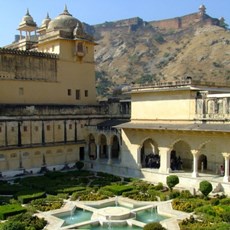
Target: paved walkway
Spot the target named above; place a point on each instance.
(187, 181)
(165, 208)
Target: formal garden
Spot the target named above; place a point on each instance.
(22, 197)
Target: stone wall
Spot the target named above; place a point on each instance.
(25, 65)
(185, 21)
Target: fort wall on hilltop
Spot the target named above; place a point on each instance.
(185, 21)
(182, 22)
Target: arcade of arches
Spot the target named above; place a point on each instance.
(181, 157)
(103, 147)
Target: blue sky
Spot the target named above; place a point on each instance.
(98, 11)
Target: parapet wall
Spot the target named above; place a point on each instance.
(172, 23)
(185, 21)
(26, 65)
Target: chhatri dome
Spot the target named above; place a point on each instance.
(46, 21)
(64, 21)
(27, 20)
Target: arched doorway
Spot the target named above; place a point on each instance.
(92, 148)
(115, 151)
(202, 162)
(103, 147)
(150, 154)
(181, 157)
(210, 158)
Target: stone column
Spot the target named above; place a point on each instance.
(195, 154)
(139, 165)
(86, 151)
(98, 152)
(109, 154)
(164, 153)
(226, 167)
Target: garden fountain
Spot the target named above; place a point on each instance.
(114, 213)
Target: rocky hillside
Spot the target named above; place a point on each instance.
(142, 53)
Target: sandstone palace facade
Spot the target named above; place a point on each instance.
(48, 98)
(50, 118)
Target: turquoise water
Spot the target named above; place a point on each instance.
(78, 216)
(149, 215)
(110, 228)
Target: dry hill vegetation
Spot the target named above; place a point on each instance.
(143, 54)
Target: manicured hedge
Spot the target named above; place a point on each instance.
(205, 187)
(8, 189)
(23, 221)
(131, 193)
(154, 226)
(10, 210)
(119, 189)
(66, 190)
(109, 177)
(187, 205)
(24, 199)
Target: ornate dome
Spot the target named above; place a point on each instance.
(46, 21)
(65, 21)
(28, 20)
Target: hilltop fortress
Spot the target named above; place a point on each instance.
(182, 22)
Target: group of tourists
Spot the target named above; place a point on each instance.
(152, 161)
(175, 162)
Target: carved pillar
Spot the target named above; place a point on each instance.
(109, 154)
(195, 154)
(164, 153)
(75, 131)
(98, 152)
(86, 151)
(65, 132)
(225, 106)
(226, 167)
(43, 133)
(6, 134)
(19, 134)
(139, 158)
(53, 131)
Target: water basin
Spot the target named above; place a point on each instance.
(149, 215)
(77, 216)
(111, 227)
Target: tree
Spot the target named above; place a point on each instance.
(153, 226)
(10, 225)
(79, 165)
(172, 181)
(205, 187)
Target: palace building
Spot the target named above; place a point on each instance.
(50, 117)
(53, 66)
(48, 98)
(179, 127)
